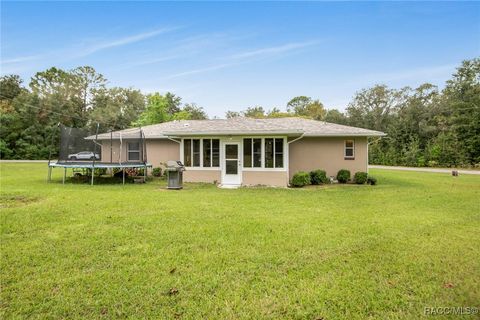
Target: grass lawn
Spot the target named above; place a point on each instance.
(139, 251)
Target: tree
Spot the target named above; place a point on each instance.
(157, 110)
(277, 113)
(232, 114)
(303, 106)
(10, 86)
(87, 81)
(373, 108)
(254, 112)
(173, 103)
(194, 112)
(335, 116)
(116, 108)
(315, 110)
(298, 105)
(462, 99)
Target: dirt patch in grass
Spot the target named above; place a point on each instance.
(16, 200)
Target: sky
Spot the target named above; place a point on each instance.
(233, 55)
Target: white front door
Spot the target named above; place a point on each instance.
(231, 166)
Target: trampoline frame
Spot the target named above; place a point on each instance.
(97, 165)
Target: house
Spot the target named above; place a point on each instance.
(245, 151)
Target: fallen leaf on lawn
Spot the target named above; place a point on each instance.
(172, 291)
(448, 285)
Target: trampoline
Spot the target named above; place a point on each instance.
(80, 149)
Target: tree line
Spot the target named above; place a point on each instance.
(425, 126)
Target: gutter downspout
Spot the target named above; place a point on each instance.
(369, 143)
(288, 164)
(171, 139)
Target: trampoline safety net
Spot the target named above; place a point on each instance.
(83, 146)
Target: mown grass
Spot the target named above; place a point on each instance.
(139, 251)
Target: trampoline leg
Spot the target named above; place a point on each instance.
(64, 175)
(145, 174)
(123, 175)
(91, 183)
(49, 176)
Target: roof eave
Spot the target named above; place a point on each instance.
(233, 133)
(375, 134)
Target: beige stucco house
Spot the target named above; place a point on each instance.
(245, 151)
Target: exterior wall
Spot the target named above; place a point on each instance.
(327, 153)
(209, 176)
(113, 155)
(159, 151)
(265, 178)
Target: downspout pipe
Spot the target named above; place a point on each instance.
(369, 143)
(288, 164)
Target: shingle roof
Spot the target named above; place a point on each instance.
(242, 126)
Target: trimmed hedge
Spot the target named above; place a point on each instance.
(360, 177)
(318, 177)
(343, 176)
(300, 179)
(372, 180)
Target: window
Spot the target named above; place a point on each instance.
(269, 153)
(349, 149)
(187, 152)
(278, 153)
(196, 152)
(252, 153)
(133, 151)
(211, 153)
(191, 152)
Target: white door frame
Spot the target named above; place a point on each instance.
(229, 179)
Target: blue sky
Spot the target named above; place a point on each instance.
(231, 55)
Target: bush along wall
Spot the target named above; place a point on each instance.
(360, 177)
(343, 176)
(300, 179)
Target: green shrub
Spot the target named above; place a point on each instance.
(343, 176)
(300, 179)
(318, 177)
(157, 172)
(360, 177)
(372, 180)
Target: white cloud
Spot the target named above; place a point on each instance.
(123, 41)
(274, 50)
(200, 70)
(21, 59)
(247, 56)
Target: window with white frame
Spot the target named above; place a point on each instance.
(272, 153)
(349, 149)
(211, 153)
(252, 153)
(133, 151)
(191, 152)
